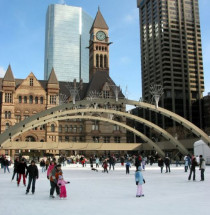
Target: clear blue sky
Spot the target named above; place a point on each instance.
(22, 37)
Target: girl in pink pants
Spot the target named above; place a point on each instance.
(61, 183)
(139, 181)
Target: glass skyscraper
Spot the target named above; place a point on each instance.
(66, 39)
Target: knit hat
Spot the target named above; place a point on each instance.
(60, 177)
(139, 168)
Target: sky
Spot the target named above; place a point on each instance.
(22, 38)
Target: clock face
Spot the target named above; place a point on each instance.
(100, 35)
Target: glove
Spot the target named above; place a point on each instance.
(59, 184)
(68, 182)
(137, 182)
(144, 181)
(48, 177)
(37, 177)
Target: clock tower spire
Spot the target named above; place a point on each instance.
(99, 46)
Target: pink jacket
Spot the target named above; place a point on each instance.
(61, 182)
(50, 169)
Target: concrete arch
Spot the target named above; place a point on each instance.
(86, 103)
(44, 121)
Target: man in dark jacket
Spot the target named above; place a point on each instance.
(167, 163)
(192, 168)
(6, 165)
(33, 175)
(21, 171)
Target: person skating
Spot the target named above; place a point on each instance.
(185, 163)
(161, 164)
(61, 184)
(111, 162)
(42, 165)
(97, 162)
(105, 166)
(192, 168)
(6, 165)
(139, 181)
(15, 169)
(127, 167)
(33, 173)
(167, 163)
(54, 174)
(22, 166)
(202, 166)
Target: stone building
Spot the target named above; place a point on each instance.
(22, 98)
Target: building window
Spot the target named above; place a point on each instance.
(26, 116)
(20, 99)
(80, 128)
(66, 128)
(74, 139)
(66, 138)
(31, 82)
(8, 97)
(95, 126)
(97, 60)
(117, 139)
(70, 128)
(101, 61)
(18, 118)
(36, 100)
(106, 139)
(75, 129)
(30, 99)
(53, 100)
(25, 99)
(7, 126)
(60, 128)
(7, 115)
(105, 61)
(42, 127)
(52, 128)
(116, 127)
(106, 94)
(41, 100)
(60, 138)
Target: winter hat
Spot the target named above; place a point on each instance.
(139, 168)
(60, 177)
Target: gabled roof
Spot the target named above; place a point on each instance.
(98, 80)
(99, 21)
(53, 79)
(9, 75)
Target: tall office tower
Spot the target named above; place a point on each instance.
(66, 41)
(171, 55)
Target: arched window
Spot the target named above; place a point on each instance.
(41, 100)
(20, 99)
(96, 47)
(105, 61)
(101, 61)
(9, 114)
(30, 139)
(41, 140)
(25, 99)
(102, 48)
(31, 99)
(5, 115)
(36, 100)
(52, 128)
(97, 60)
(7, 126)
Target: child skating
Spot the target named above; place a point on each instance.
(61, 183)
(139, 181)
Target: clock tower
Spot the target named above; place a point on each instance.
(98, 46)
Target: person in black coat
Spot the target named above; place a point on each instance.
(15, 168)
(167, 163)
(192, 168)
(33, 173)
(161, 164)
(21, 171)
(6, 165)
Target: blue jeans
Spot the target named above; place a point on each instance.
(6, 168)
(33, 180)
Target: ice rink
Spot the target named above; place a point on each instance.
(114, 193)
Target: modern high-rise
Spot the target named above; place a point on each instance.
(171, 55)
(66, 41)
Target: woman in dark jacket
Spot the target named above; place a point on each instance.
(21, 171)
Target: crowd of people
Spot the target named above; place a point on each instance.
(53, 167)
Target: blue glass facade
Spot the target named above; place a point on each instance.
(66, 39)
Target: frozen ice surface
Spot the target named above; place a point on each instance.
(114, 193)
